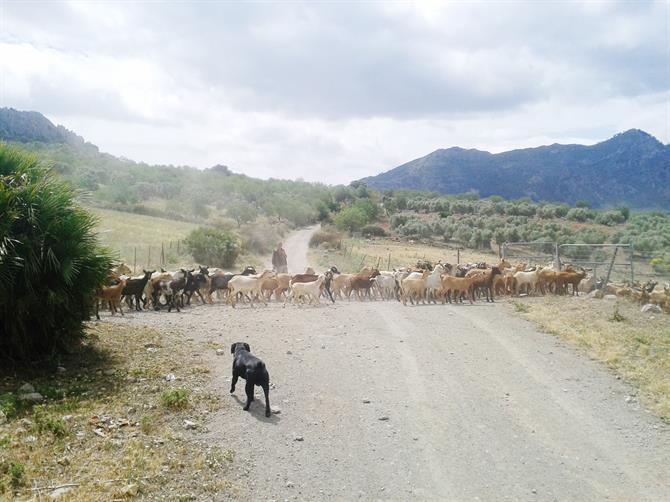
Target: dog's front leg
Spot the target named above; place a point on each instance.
(250, 393)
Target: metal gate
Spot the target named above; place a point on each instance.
(532, 253)
(612, 261)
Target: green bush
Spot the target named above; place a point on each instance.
(17, 472)
(332, 237)
(45, 422)
(373, 230)
(50, 260)
(579, 214)
(351, 219)
(213, 246)
(176, 399)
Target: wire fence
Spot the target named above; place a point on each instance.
(613, 262)
(160, 255)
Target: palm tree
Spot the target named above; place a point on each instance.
(50, 260)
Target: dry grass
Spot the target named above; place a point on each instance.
(104, 428)
(126, 232)
(633, 344)
(359, 252)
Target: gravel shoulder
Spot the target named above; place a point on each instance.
(381, 401)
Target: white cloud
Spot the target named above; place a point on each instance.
(335, 92)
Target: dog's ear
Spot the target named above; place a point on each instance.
(246, 346)
(232, 348)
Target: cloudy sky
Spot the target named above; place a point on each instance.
(333, 91)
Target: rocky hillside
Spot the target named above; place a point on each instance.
(632, 168)
(27, 127)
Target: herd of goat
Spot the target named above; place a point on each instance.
(424, 283)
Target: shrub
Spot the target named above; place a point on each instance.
(213, 246)
(17, 472)
(398, 220)
(616, 315)
(50, 260)
(44, 422)
(351, 219)
(373, 230)
(176, 399)
(579, 214)
(332, 237)
(610, 218)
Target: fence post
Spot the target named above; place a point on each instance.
(162, 254)
(557, 258)
(632, 272)
(458, 256)
(609, 270)
(388, 267)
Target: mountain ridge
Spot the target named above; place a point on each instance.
(631, 168)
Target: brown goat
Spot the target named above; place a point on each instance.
(110, 294)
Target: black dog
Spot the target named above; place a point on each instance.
(253, 370)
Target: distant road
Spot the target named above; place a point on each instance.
(296, 246)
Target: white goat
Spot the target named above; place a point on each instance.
(385, 284)
(434, 282)
(304, 290)
(528, 279)
(249, 285)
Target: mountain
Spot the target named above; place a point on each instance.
(27, 127)
(632, 168)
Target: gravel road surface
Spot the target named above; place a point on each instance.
(381, 401)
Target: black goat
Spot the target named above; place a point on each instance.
(193, 284)
(135, 288)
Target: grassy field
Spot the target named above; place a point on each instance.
(389, 254)
(127, 233)
(111, 426)
(132, 235)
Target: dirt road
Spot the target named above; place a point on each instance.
(381, 401)
(296, 250)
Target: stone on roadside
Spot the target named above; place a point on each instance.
(298, 438)
(32, 397)
(220, 352)
(26, 388)
(276, 411)
(366, 400)
(190, 425)
(130, 490)
(651, 308)
(383, 418)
